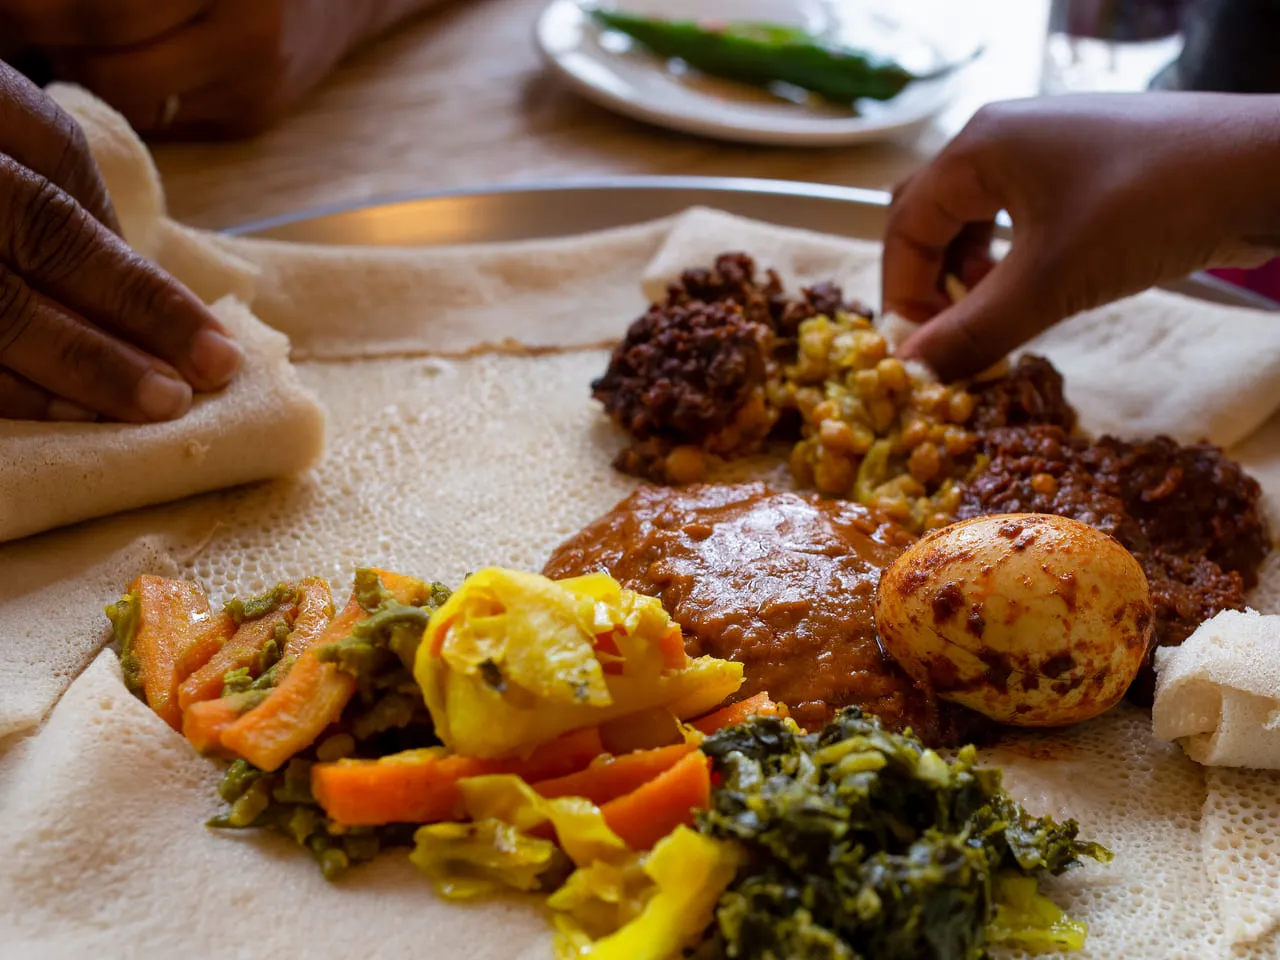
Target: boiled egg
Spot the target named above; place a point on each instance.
(1030, 619)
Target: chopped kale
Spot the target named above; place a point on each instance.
(255, 608)
(865, 845)
(271, 669)
(124, 615)
(387, 715)
(282, 802)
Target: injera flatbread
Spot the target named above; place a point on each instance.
(1218, 693)
(264, 424)
(436, 466)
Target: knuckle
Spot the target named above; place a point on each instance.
(142, 291)
(55, 238)
(76, 158)
(16, 309)
(88, 361)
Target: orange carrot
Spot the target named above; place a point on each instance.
(417, 787)
(566, 754)
(315, 610)
(170, 615)
(647, 814)
(609, 777)
(672, 646)
(204, 721)
(421, 786)
(204, 645)
(244, 649)
(759, 704)
(312, 694)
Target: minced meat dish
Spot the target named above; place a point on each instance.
(1188, 514)
(729, 361)
(690, 376)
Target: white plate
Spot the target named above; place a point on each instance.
(603, 67)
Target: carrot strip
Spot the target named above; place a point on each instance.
(208, 642)
(204, 721)
(609, 777)
(396, 789)
(646, 815)
(760, 704)
(672, 646)
(312, 695)
(421, 786)
(171, 614)
(315, 610)
(244, 649)
(566, 754)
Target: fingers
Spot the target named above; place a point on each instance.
(57, 23)
(68, 257)
(928, 214)
(20, 399)
(969, 257)
(1004, 311)
(40, 136)
(71, 359)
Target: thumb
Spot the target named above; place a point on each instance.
(1005, 310)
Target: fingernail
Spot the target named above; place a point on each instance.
(66, 410)
(216, 358)
(163, 398)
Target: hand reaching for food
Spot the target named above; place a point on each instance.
(1109, 195)
(87, 327)
(199, 67)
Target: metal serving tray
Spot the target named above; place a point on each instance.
(562, 208)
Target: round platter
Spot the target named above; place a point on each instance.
(562, 208)
(603, 67)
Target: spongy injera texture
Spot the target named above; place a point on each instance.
(437, 467)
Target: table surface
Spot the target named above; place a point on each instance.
(460, 99)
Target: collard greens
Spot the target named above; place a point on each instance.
(864, 845)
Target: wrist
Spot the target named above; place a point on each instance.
(1252, 181)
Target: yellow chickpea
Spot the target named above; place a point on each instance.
(837, 435)
(960, 407)
(1044, 484)
(925, 462)
(893, 374)
(833, 474)
(685, 464)
(867, 383)
(882, 412)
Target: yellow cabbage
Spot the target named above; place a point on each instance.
(495, 850)
(578, 823)
(688, 873)
(510, 662)
(465, 860)
(601, 897)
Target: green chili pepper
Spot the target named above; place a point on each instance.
(762, 54)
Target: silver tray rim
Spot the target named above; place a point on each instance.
(1199, 285)
(759, 186)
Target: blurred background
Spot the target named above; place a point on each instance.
(450, 94)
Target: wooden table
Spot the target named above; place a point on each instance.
(460, 99)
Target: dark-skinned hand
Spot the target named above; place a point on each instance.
(199, 68)
(88, 328)
(1109, 195)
